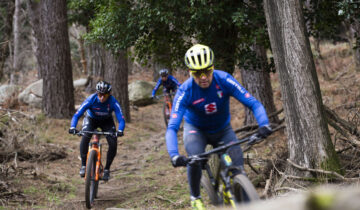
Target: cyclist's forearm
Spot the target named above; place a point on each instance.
(121, 124)
(171, 142)
(260, 114)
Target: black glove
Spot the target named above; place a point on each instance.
(264, 131)
(119, 133)
(73, 131)
(179, 160)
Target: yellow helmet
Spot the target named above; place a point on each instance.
(199, 57)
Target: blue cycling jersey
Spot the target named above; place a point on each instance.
(97, 110)
(208, 108)
(170, 83)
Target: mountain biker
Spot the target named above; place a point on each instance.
(99, 107)
(168, 82)
(203, 101)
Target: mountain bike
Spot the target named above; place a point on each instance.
(167, 106)
(94, 167)
(224, 187)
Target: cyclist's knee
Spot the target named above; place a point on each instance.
(236, 155)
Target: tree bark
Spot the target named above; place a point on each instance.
(34, 9)
(117, 74)
(257, 81)
(96, 70)
(6, 32)
(14, 78)
(322, 65)
(53, 54)
(308, 135)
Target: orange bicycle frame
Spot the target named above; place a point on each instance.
(95, 146)
(168, 101)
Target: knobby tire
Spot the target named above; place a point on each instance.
(210, 191)
(243, 190)
(166, 117)
(90, 184)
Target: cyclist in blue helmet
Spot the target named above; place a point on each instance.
(99, 107)
(168, 82)
(203, 101)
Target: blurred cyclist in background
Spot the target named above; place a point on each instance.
(168, 82)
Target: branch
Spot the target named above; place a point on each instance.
(251, 166)
(267, 185)
(255, 126)
(289, 189)
(333, 173)
(331, 115)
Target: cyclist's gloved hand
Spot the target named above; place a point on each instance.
(264, 131)
(179, 160)
(119, 133)
(73, 131)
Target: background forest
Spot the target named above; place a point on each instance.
(300, 58)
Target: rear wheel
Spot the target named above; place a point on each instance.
(243, 190)
(166, 112)
(91, 185)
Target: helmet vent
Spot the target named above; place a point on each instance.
(205, 57)
(199, 59)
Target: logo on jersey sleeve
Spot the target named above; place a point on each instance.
(247, 95)
(210, 108)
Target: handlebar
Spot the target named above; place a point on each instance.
(163, 95)
(253, 139)
(81, 133)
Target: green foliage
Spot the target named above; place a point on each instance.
(163, 34)
(322, 19)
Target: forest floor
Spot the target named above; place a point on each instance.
(40, 168)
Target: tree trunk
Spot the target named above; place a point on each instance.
(117, 74)
(308, 135)
(14, 78)
(356, 36)
(156, 69)
(6, 30)
(223, 44)
(34, 9)
(322, 65)
(54, 58)
(257, 82)
(96, 70)
(76, 33)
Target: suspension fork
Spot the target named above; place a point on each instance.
(226, 163)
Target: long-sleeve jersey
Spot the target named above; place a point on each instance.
(170, 83)
(208, 108)
(97, 110)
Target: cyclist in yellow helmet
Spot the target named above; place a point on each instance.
(203, 101)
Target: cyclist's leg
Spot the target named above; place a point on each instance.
(108, 125)
(194, 143)
(89, 124)
(226, 136)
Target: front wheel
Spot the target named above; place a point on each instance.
(243, 190)
(210, 191)
(90, 184)
(166, 111)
